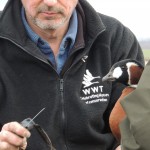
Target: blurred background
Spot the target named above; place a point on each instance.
(132, 13)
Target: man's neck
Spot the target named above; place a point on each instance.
(53, 37)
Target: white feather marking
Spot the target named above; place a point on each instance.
(117, 72)
(129, 64)
(133, 86)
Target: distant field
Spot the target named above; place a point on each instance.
(146, 54)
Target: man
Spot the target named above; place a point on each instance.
(135, 127)
(53, 54)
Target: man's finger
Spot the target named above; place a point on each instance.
(6, 146)
(12, 139)
(16, 128)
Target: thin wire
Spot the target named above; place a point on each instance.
(35, 116)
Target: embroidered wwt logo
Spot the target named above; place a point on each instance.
(92, 93)
(88, 79)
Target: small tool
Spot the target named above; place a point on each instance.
(28, 123)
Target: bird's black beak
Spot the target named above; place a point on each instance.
(108, 77)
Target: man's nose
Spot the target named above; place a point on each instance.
(50, 2)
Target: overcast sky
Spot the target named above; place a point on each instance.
(135, 14)
(132, 13)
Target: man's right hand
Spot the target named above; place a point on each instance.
(13, 136)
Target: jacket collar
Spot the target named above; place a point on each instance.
(94, 24)
(8, 27)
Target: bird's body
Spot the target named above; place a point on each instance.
(127, 72)
(117, 114)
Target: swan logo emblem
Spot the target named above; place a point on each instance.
(88, 79)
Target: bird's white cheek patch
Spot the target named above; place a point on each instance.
(117, 72)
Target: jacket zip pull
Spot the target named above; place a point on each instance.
(61, 85)
(62, 99)
(84, 58)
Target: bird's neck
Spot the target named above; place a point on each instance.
(134, 76)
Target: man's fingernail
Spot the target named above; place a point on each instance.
(28, 134)
(24, 143)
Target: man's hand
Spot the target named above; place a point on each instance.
(13, 136)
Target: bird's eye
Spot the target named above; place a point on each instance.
(123, 67)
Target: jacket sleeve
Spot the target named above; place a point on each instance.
(122, 42)
(137, 108)
(128, 141)
(125, 45)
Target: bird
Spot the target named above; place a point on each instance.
(127, 72)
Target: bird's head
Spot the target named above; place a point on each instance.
(127, 71)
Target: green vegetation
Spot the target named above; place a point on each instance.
(146, 54)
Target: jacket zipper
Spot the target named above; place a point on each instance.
(62, 109)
